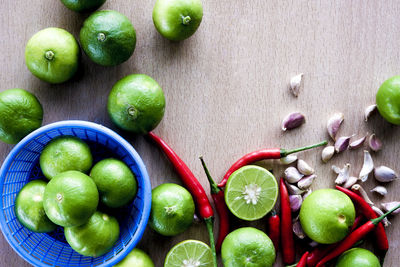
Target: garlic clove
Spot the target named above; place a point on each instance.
(357, 143)
(367, 167)
(350, 182)
(333, 124)
(304, 168)
(292, 121)
(306, 181)
(298, 230)
(381, 190)
(293, 190)
(292, 175)
(379, 212)
(369, 111)
(374, 143)
(385, 174)
(391, 205)
(296, 84)
(343, 174)
(289, 159)
(342, 143)
(358, 188)
(327, 153)
(295, 202)
(307, 193)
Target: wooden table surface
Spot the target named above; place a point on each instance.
(227, 87)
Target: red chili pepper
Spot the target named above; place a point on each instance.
(303, 260)
(193, 185)
(322, 250)
(274, 231)
(354, 237)
(365, 209)
(222, 210)
(287, 241)
(268, 153)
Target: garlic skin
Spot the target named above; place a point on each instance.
(381, 190)
(391, 205)
(298, 230)
(293, 190)
(304, 168)
(289, 159)
(350, 182)
(379, 212)
(385, 174)
(307, 193)
(327, 153)
(369, 111)
(374, 143)
(292, 121)
(363, 193)
(333, 124)
(342, 143)
(292, 175)
(343, 174)
(296, 84)
(367, 167)
(295, 202)
(357, 143)
(306, 181)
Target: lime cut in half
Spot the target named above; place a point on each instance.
(251, 192)
(189, 253)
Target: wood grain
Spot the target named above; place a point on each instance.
(227, 86)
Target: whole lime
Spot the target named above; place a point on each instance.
(358, 257)
(65, 153)
(326, 215)
(70, 198)
(20, 114)
(108, 38)
(136, 103)
(83, 5)
(177, 19)
(94, 238)
(247, 246)
(29, 208)
(172, 209)
(115, 181)
(388, 100)
(52, 55)
(137, 258)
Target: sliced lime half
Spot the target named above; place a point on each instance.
(251, 192)
(189, 253)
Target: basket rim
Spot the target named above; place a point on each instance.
(121, 141)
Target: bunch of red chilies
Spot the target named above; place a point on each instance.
(279, 228)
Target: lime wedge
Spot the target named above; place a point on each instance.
(189, 253)
(251, 192)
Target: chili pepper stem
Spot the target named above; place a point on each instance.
(210, 225)
(214, 187)
(379, 219)
(285, 152)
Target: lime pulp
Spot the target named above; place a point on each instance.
(189, 253)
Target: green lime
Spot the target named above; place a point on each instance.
(189, 253)
(52, 55)
(65, 153)
(326, 215)
(177, 19)
(358, 257)
(172, 209)
(108, 38)
(115, 181)
(94, 238)
(136, 103)
(388, 100)
(20, 114)
(247, 247)
(70, 198)
(251, 192)
(137, 258)
(83, 5)
(29, 208)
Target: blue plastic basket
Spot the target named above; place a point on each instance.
(22, 166)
